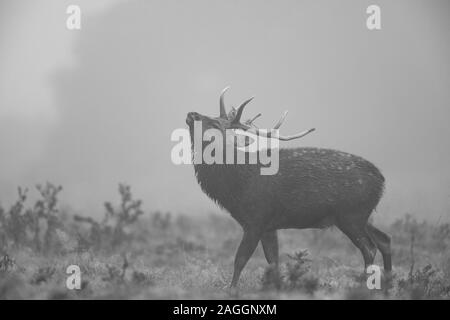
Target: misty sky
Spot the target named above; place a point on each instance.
(90, 108)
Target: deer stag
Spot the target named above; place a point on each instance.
(314, 188)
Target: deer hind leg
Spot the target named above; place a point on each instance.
(383, 243)
(358, 234)
(246, 248)
(269, 243)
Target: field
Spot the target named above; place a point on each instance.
(134, 254)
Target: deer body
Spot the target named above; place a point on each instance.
(311, 190)
(314, 188)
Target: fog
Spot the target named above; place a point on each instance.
(90, 108)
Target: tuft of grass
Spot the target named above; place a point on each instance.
(115, 228)
(35, 227)
(424, 283)
(43, 274)
(296, 275)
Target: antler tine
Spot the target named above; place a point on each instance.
(265, 134)
(296, 136)
(223, 112)
(280, 122)
(250, 121)
(241, 109)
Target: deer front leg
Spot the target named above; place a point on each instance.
(269, 243)
(246, 248)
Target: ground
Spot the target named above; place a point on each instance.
(152, 255)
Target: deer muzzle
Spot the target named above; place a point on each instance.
(191, 117)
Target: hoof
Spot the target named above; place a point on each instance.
(232, 291)
(387, 280)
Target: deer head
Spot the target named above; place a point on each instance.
(232, 121)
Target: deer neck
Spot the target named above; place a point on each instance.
(224, 183)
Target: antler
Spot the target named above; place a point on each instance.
(265, 134)
(250, 127)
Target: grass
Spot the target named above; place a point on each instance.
(133, 254)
